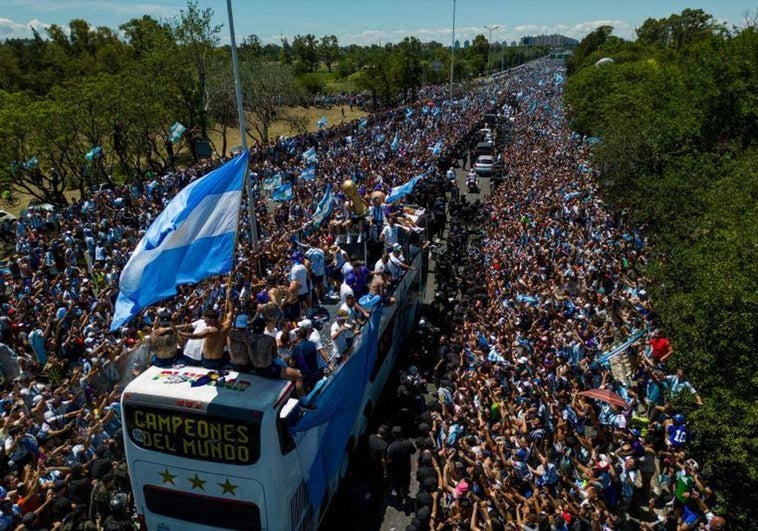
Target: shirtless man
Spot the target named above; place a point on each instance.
(214, 336)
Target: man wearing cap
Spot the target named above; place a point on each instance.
(315, 337)
(214, 336)
(305, 358)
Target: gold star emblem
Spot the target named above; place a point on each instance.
(197, 483)
(228, 488)
(167, 476)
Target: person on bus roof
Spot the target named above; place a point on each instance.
(163, 341)
(214, 336)
(305, 359)
(263, 355)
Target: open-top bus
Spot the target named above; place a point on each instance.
(236, 452)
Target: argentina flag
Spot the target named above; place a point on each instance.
(436, 148)
(395, 142)
(399, 192)
(363, 123)
(282, 193)
(269, 183)
(192, 239)
(309, 173)
(322, 122)
(176, 132)
(324, 208)
(408, 113)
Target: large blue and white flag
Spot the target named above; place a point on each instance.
(308, 173)
(176, 132)
(94, 153)
(269, 183)
(321, 122)
(399, 192)
(192, 239)
(363, 123)
(324, 208)
(395, 142)
(282, 193)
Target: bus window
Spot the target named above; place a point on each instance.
(203, 510)
(233, 438)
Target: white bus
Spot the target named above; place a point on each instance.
(228, 454)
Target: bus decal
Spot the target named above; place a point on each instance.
(185, 434)
(212, 379)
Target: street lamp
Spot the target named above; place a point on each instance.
(489, 43)
(243, 131)
(452, 55)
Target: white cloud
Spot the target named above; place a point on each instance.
(10, 29)
(505, 33)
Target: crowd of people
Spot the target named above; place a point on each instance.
(556, 407)
(62, 463)
(561, 287)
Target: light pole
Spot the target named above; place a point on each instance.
(452, 55)
(243, 129)
(489, 44)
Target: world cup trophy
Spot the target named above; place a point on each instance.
(358, 207)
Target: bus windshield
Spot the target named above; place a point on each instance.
(230, 438)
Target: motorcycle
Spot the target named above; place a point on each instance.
(472, 183)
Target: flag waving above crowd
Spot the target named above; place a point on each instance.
(192, 239)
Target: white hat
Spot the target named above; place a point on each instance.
(305, 323)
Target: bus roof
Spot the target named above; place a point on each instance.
(197, 388)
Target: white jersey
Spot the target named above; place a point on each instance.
(194, 347)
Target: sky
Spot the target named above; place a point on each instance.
(378, 21)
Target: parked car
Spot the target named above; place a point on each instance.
(484, 148)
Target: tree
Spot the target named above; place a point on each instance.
(268, 88)
(329, 50)
(587, 46)
(677, 118)
(477, 53)
(251, 47)
(405, 67)
(305, 49)
(197, 37)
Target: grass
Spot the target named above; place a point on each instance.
(311, 115)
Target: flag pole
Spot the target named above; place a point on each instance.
(243, 129)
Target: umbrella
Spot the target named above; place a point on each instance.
(606, 396)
